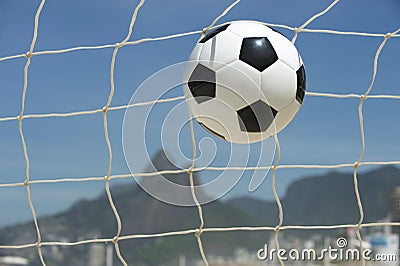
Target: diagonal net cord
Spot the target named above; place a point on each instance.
(106, 135)
(362, 133)
(323, 12)
(194, 231)
(20, 129)
(177, 35)
(167, 100)
(204, 31)
(198, 169)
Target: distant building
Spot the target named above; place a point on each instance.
(396, 209)
(97, 254)
(385, 244)
(100, 254)
(13, 261)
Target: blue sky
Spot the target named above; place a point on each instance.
(325, 131)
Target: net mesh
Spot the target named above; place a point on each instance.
(201, 228)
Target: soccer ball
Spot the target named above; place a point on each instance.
(244, 82)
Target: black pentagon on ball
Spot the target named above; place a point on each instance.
(258, 52)
(202, 83)
(256, 117)
(301, 84)
(212, 33)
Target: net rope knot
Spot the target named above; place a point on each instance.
(204, 30)
(198, 233)
(388, 35)
(115, 239)
(28, 55)
(190, 169)
(119, 45)
(277, 228)
(297, 30)
(363, 97)
(105, 109)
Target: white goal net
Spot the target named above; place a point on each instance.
(128, 41)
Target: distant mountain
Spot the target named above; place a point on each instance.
(140, 214)
(318, 200)
(329, 199)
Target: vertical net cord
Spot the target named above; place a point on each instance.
(194, 151)
(276, 196)
(362, 134)
(196, 201)
(20, 129)
(106, 135)
(278, 147)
